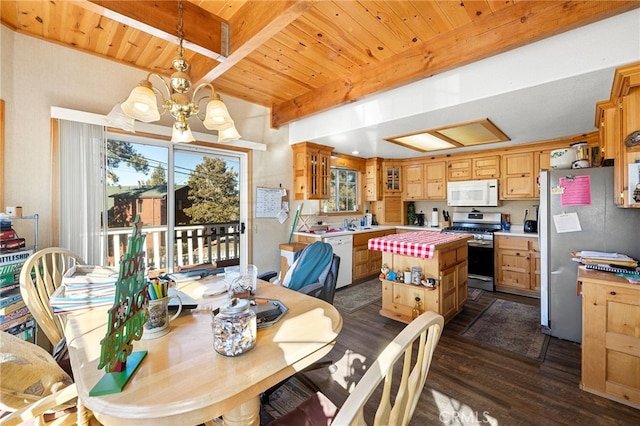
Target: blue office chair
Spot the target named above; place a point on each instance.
(315, 273)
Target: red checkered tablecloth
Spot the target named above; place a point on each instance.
(416, 244)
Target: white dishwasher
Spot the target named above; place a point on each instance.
(343, 247)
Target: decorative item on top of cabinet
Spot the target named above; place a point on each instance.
(517, 265)
(373, 179)
(610, 341)
(518, 176)
(311, 171)
(617, 118)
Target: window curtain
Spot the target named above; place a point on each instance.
(82, 198)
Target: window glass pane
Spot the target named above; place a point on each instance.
(137, 185)
(343, 195)
(207, 215)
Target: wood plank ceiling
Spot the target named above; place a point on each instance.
(302, 57)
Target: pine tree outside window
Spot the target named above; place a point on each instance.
(343, 195)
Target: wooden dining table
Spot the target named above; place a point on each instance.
(184, 381)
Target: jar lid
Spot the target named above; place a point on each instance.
(235, 306)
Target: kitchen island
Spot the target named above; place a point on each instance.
(441, 256)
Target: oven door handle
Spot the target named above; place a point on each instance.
(480, 243)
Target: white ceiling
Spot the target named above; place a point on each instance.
(542, 91)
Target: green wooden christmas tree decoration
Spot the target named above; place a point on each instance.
(126, 319)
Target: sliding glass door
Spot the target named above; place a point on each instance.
(189, 198)
(206, 194)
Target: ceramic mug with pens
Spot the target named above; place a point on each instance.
(158, 321)
(158, 309)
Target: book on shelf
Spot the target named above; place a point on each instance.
(8, 246)
(22, 327)
(11, 268)
(9, 280)
(12, 257)
(8, 235)
(15, 322)
(24, 333)
(14, 315)
(13, 307)
(10, 298)
(6, 288)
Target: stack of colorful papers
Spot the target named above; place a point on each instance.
(619, 264)
(84, 287)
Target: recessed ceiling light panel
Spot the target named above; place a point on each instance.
(455, 136)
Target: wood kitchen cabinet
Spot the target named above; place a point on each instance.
(413, 181)
(459, 169)
(474, 168)
(518, 176)
(449, 266)
(367, 263)
(435, 184)
(311, 171)
(373, 179)
(391, 177)
(388, 211)
(542, 160)
(424, 181)
(616, 118)
(517, 265)
(610, 338)
(486, 167)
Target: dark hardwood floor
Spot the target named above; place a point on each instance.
(472, 384)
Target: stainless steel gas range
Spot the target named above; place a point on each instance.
(481, 255)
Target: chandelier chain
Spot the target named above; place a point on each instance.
(180, 30)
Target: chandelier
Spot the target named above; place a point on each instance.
(142, 103)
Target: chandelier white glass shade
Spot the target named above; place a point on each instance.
(142, 103)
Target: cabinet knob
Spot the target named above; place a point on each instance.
(613, 293)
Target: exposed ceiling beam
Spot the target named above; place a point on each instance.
(203, 33)
(504, 30)
(256, 22)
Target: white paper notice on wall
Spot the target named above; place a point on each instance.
(567, 222)
(282, 216)
(268, 202)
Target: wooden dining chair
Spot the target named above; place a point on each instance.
(318, 410)
(40, 276)
(35, 389)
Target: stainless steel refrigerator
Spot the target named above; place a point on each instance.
(603, 227)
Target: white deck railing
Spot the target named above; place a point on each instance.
(194, 244)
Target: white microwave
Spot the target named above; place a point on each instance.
(473, 193)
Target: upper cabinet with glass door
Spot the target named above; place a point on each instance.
(619, 121)
(391, 174)
(311, 171)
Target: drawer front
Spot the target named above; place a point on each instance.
(448, 259)
(512, 243)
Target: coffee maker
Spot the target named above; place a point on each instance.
(419, 219)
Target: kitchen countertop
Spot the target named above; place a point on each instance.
(338, 233)
(517, 231)
(420, 228)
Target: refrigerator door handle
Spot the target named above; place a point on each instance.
(543, 239)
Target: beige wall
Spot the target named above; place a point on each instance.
(36, 75)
